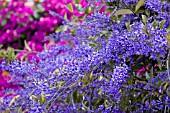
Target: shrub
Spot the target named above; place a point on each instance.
(100, 73)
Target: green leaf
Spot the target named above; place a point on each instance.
(162, 23)
(64, 28)
(144, 18)
(77, 1)
(166, 85)
(110, 10)
(106, 103)
(78, 7)
(128, 26)
(147, 75)
(87, 10)
(65, 16)
(168, 28)
(147, 12)
(92, 45)
(11, 54)
(140, 3)
(154, 23)
(158, 84)
(57, 30)
(144, 99)
(75, 95)
(104, 32)
(4, 21)
(161, 71)
(91, 76)
(168, 38)
(51, 85)
(27, 46)
(70, 7)
(140, 11)
(4, 4)
(42, 99)
(151, 72)
(160, 65)
(45, 46)
(36, 15)
(72, 31)
(123, 12)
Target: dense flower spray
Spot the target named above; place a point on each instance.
(98, 70)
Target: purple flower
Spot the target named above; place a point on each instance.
(154, 5)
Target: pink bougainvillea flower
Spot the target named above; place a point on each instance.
(144, 69)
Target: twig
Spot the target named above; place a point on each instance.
(18, 50)
(167, 65)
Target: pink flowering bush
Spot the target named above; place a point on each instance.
(21, 20)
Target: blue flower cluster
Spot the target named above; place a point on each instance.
(99, 70)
